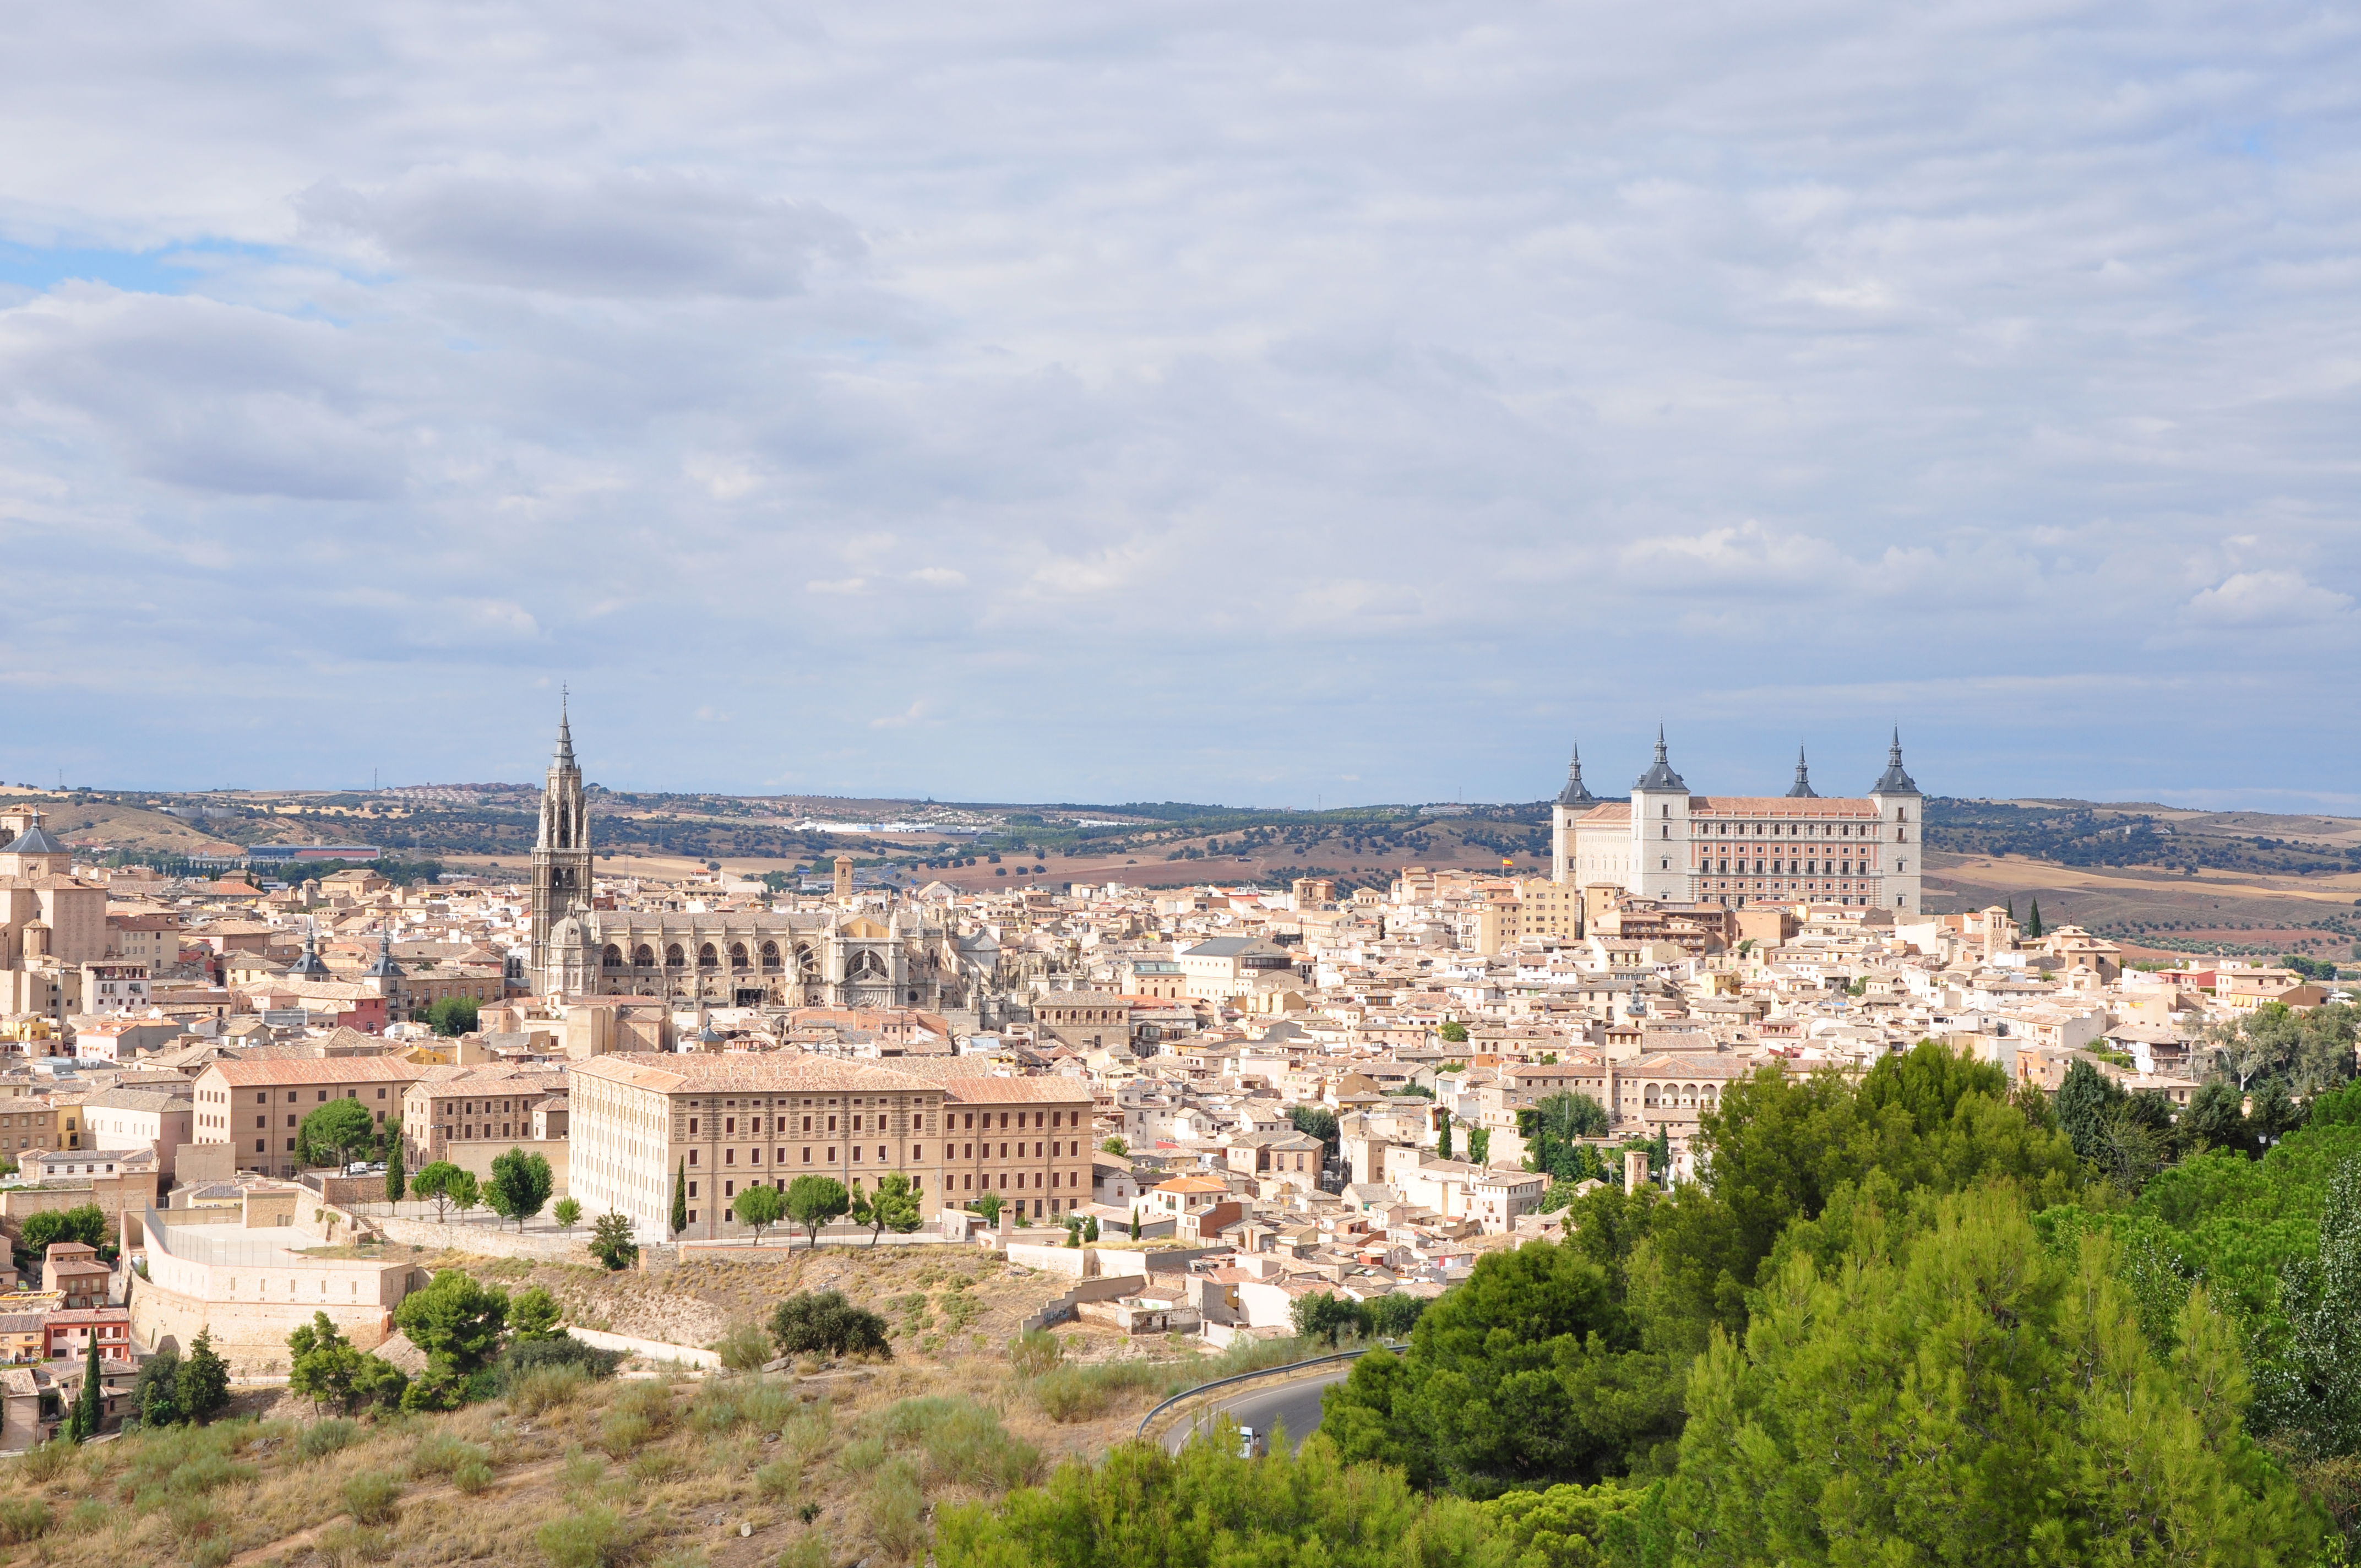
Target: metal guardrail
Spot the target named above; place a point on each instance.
(1291, 1367)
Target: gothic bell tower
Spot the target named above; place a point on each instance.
(561, 855)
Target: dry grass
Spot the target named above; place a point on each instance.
(823, 1469)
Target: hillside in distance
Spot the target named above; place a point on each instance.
(2162, 879)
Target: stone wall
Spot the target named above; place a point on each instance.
(251, 1335)
(488, 1240)
(114, 1195)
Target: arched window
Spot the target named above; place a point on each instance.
(644, 955)
(705, 957)
(1650, 1098)
(612, 958)
(770, 955)
(737, 955)
(674, 957)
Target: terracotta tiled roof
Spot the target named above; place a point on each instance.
(316, 1070)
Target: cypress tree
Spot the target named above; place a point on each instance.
(1442, 1139)
(2012, 907)
(90, 1409)
(2033, 920)
(396, 1183)
(680, 1199)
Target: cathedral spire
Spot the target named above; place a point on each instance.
(1802, 788)
(565, 757)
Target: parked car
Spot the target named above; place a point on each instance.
(1252, 1444)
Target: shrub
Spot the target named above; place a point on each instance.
(472, 1475)
(23, 1520)
(543, 1388)
(194, 1518)
(1085, 1393)
(624, 1433)
(655, 1466)
(324, 1438)
(370, 1497)
(89, 1516)
(746, 1347)
(962, 1442)
(592, 1538)
(440, 1454)
(346, 1544)
(580, 1473)
(809, 1549)
(818, 1322)
(532, 1355)
(43, 1461)
(776, 1481)
(1035, 1350)
(897, 1509)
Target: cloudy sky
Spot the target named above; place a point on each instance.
(1264, 404)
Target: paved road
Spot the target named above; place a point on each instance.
(1295, 1403)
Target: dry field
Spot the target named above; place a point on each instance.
(2282, 914)
(819, 1465)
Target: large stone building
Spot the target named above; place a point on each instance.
(641, 1125)
(53, 938)
(838, 958)
(1669, 844)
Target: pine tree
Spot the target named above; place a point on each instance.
(204, 1384)
(2033, 921)
(680, 1199)
(90, 1407)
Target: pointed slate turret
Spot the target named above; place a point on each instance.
(385, 968)
(309, 966)
(1802, 788)
(1575, 793)
(1893, 781)
(1660, 774)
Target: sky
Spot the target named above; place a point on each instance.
(1271, 405)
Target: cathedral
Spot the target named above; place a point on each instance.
(837, 958)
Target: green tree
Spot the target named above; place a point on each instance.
(1135, 1222)
(893, 1207)
(1318, 1122)
(1090, 1228)
(1443, 1135)
(2032, 922)
(822, 1323)
(2038, 1423)
(85, 1223)
(453, 1015)
(1324, 1315)
(156, 1394)
(1479, 1144)
(2087, 1104)
(455, 1319)
(814, 1201)
(1529, 1371)
(90, 1405)
(989, 1206)
(202, 1388)
(396, 1182)
(331, 1133)
(520, 1186)
(2321, 1297)
(325, 1368)
(611, 1242)
(760, 1207)
(532, 1315)
(440, 1182)
(1552, 1130)
(1454, 1033)
(567, 1212)
(680, 1199)
(1114, 1146)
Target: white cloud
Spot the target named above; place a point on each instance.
(2269, 598)
(1249, 388)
